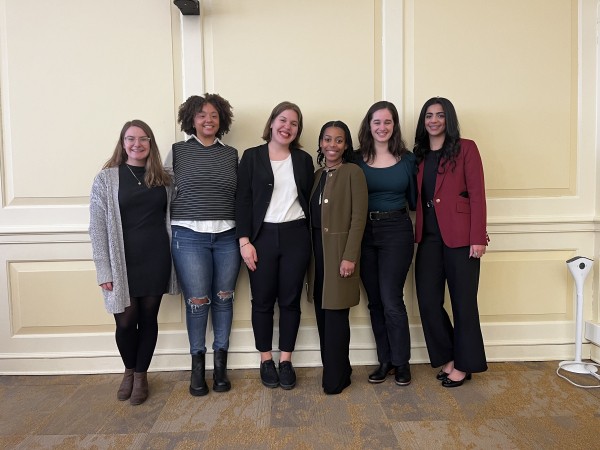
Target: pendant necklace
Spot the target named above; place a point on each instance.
(328, 168)
(138, 180)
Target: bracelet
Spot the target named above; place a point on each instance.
(244, 244)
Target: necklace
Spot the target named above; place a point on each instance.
(138, 180)
(323, 180)
(328, 168)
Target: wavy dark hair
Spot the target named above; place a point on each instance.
(194, 104)
(155, 171)
(284, 106)
(451, 147)
(396, 144)
(348, 152)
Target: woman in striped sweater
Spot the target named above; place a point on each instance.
(204, 245)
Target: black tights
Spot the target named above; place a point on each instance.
(137, 332)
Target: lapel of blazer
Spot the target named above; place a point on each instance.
(420, 174)
(439, 179)
(263, 157)
(296, 165)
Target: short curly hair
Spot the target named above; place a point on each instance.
(194, 104)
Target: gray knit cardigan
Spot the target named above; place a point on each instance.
(106, 233)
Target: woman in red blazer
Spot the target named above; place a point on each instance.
(451, 232)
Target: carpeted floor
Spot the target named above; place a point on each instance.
(513, 405)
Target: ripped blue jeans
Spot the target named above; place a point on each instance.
(207, 266)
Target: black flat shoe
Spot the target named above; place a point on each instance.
(441, 375)
(268, 374)
(381, 373)
(448, 383)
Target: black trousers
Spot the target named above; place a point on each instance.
(334, 330)
(437, 264)
(283, 251)
(387, 252)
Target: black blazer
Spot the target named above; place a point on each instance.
(255, 187)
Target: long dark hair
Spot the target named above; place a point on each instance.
(396, 144)
(451, 147)
(347, 155)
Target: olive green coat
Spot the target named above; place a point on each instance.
(343, 218)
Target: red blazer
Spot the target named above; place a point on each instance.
(462, 220)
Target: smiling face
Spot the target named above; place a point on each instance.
(333, 144)
(137, 146)
(435, 121)
(206, 123)
(382, 126)
(284, 128)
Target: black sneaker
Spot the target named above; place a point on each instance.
(287, 375)
(268, 374)
(403, 375)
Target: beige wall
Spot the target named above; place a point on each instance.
(522, 76)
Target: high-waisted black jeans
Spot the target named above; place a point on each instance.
(387, 252)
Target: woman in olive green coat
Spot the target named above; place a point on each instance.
(338, 210)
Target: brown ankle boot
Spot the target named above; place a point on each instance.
(139, 394)
(124, 391)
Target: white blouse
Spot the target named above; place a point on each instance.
(284, 205)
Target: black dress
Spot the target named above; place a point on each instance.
(147, 248)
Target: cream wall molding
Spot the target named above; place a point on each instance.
(510, 224)
(529, 341)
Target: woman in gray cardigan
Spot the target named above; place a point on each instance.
(130, 234)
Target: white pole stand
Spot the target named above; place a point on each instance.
(579, 266)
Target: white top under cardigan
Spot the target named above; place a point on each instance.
(106, 234)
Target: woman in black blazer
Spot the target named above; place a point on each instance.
(274, 182)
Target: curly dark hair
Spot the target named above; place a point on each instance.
(194, 104)
(348, 152)
(396, 144)
(451, 147)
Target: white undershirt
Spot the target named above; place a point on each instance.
(284, 205)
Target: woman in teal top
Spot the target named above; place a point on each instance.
(388, 242)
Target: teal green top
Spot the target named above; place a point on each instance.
(391, 188)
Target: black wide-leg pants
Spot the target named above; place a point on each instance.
(437, 264)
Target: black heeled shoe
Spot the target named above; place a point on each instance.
(448, 383)
(441, 375)
(381, 373)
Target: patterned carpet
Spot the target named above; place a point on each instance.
(513, 405)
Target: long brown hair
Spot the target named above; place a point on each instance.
(155, 171)
(396, 145)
